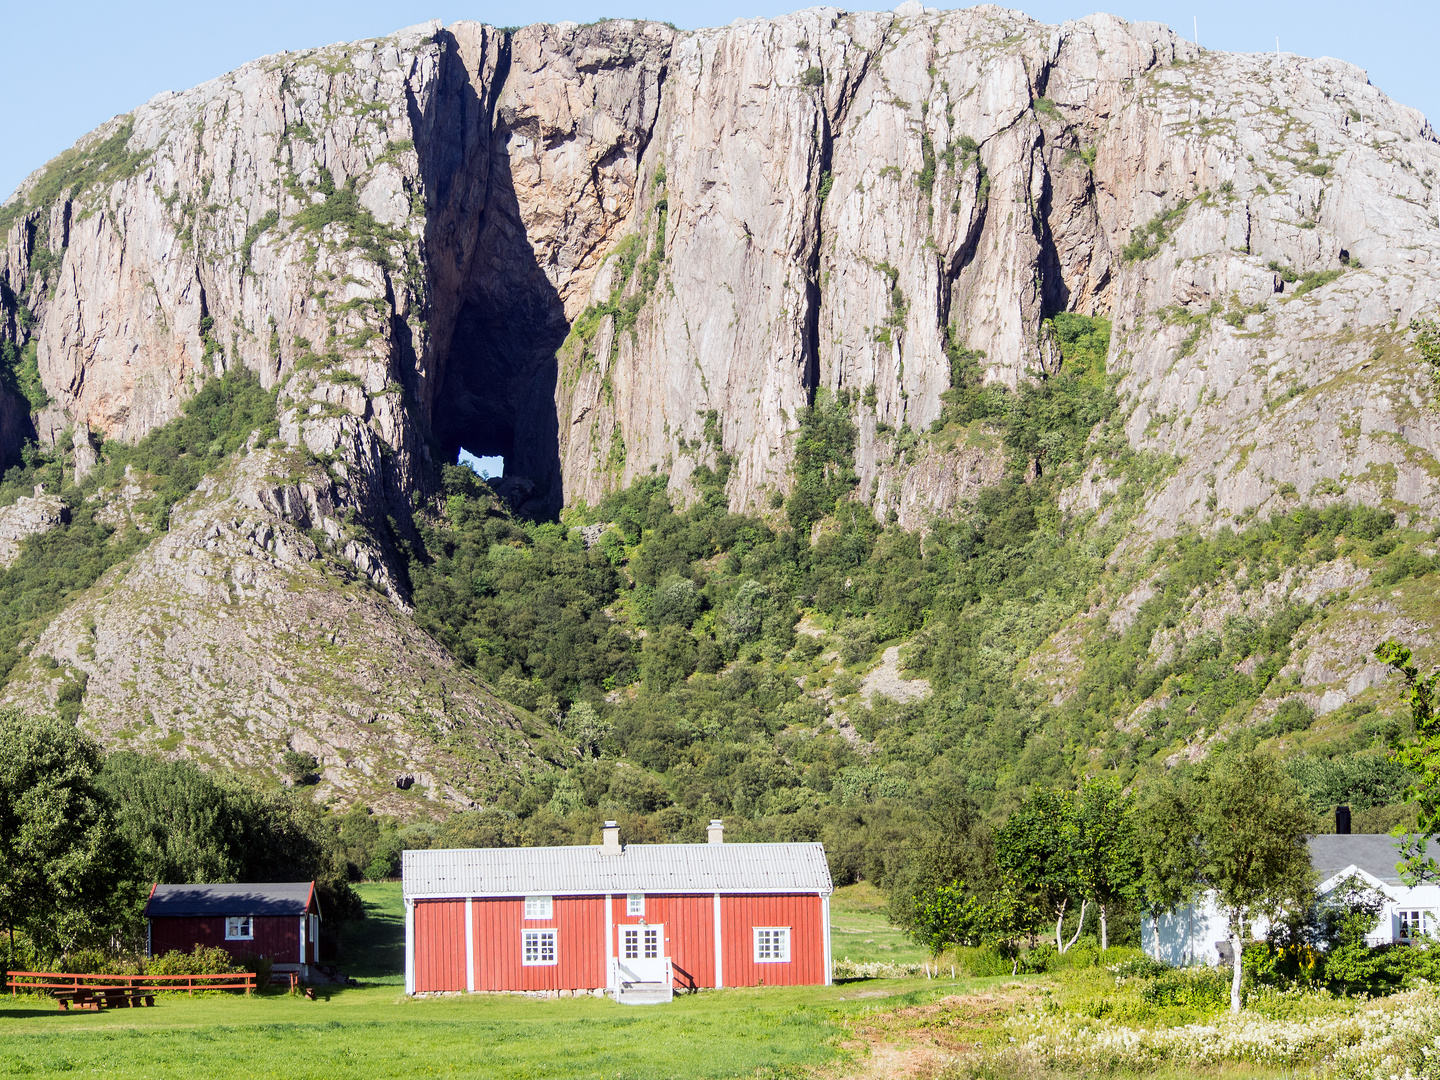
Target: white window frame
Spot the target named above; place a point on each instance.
(534, 955)
(630, 939)
(239, 928)
(772, 944)
(635, 903)
(539, 907)
(1414, 922)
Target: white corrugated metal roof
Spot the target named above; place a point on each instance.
(648, 868)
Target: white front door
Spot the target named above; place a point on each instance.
(642, 953)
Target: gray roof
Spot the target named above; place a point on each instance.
(1375, 853)
(259, 898)
(647, 868)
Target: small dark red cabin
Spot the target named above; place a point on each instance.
(278, 920)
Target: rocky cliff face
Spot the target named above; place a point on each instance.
(609, 250)
(567, 244)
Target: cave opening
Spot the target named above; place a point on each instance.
(502, 321)
(497, 399)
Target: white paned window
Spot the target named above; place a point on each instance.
(537, 947)
(1414, 923)
(539, 907)
(652, 944)
(631, 944)
(772, 944)
(239, 928)
(635, 904)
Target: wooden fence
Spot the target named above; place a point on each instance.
(64, 980)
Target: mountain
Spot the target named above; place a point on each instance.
(618, 251)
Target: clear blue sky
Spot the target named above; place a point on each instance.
(69, 66)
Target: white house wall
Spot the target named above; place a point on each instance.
(1192, 935)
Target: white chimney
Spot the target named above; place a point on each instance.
(610, 839)
(717, 831)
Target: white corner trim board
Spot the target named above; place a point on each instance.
(409, 946)
(719, 948)
(470, 944)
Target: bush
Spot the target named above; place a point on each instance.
(1194, 988)
(99, 962)
(204, 960)
(982, 962)
(262, 966)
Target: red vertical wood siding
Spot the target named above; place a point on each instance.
(276, 936)
(439, 945)
(689, 933)
(802, 912)
(579, 925)
(581, 953)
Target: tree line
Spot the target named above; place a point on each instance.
(83, 836)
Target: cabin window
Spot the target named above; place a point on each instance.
(635, 904)
(539, 907)
(537, 947)
(772, 944)
(239, 928)
(1414, 923)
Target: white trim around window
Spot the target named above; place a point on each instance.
(635, 903)
(772, 944)
(539, 907)
(1414, 923)
(239, 928)
(538, 948)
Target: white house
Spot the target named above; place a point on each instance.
(1197, 934)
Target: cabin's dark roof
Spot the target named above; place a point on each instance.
(1375, 853)
(260, 898)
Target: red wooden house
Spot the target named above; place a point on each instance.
(279, 920)
(636, 921)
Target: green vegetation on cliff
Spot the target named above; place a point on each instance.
(682, 631)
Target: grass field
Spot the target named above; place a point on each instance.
(878, 1029)
(859, 930)
(375, 1032)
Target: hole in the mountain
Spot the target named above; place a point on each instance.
(487, 468)
(497, 400)
(495, 396)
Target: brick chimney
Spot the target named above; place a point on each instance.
(716, 831)
(610, 839)
(1342, 820)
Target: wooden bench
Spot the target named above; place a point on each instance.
(82, 998)
(130, 996)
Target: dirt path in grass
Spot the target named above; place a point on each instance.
(922, 1041)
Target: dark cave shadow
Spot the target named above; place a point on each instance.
(498, 369)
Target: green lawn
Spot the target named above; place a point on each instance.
(375, 1032)
(372, 950)
(859, 930)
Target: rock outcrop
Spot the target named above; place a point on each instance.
(246, 630)
(27, 516)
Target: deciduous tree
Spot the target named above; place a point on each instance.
(1108, 860)
(1040, 848)
(63, 866)
(1236, 831)
(1420, 753)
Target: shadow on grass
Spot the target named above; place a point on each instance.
(372, 949)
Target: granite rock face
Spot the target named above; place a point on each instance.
(568, 245)
(27, 516)
(617, 249)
